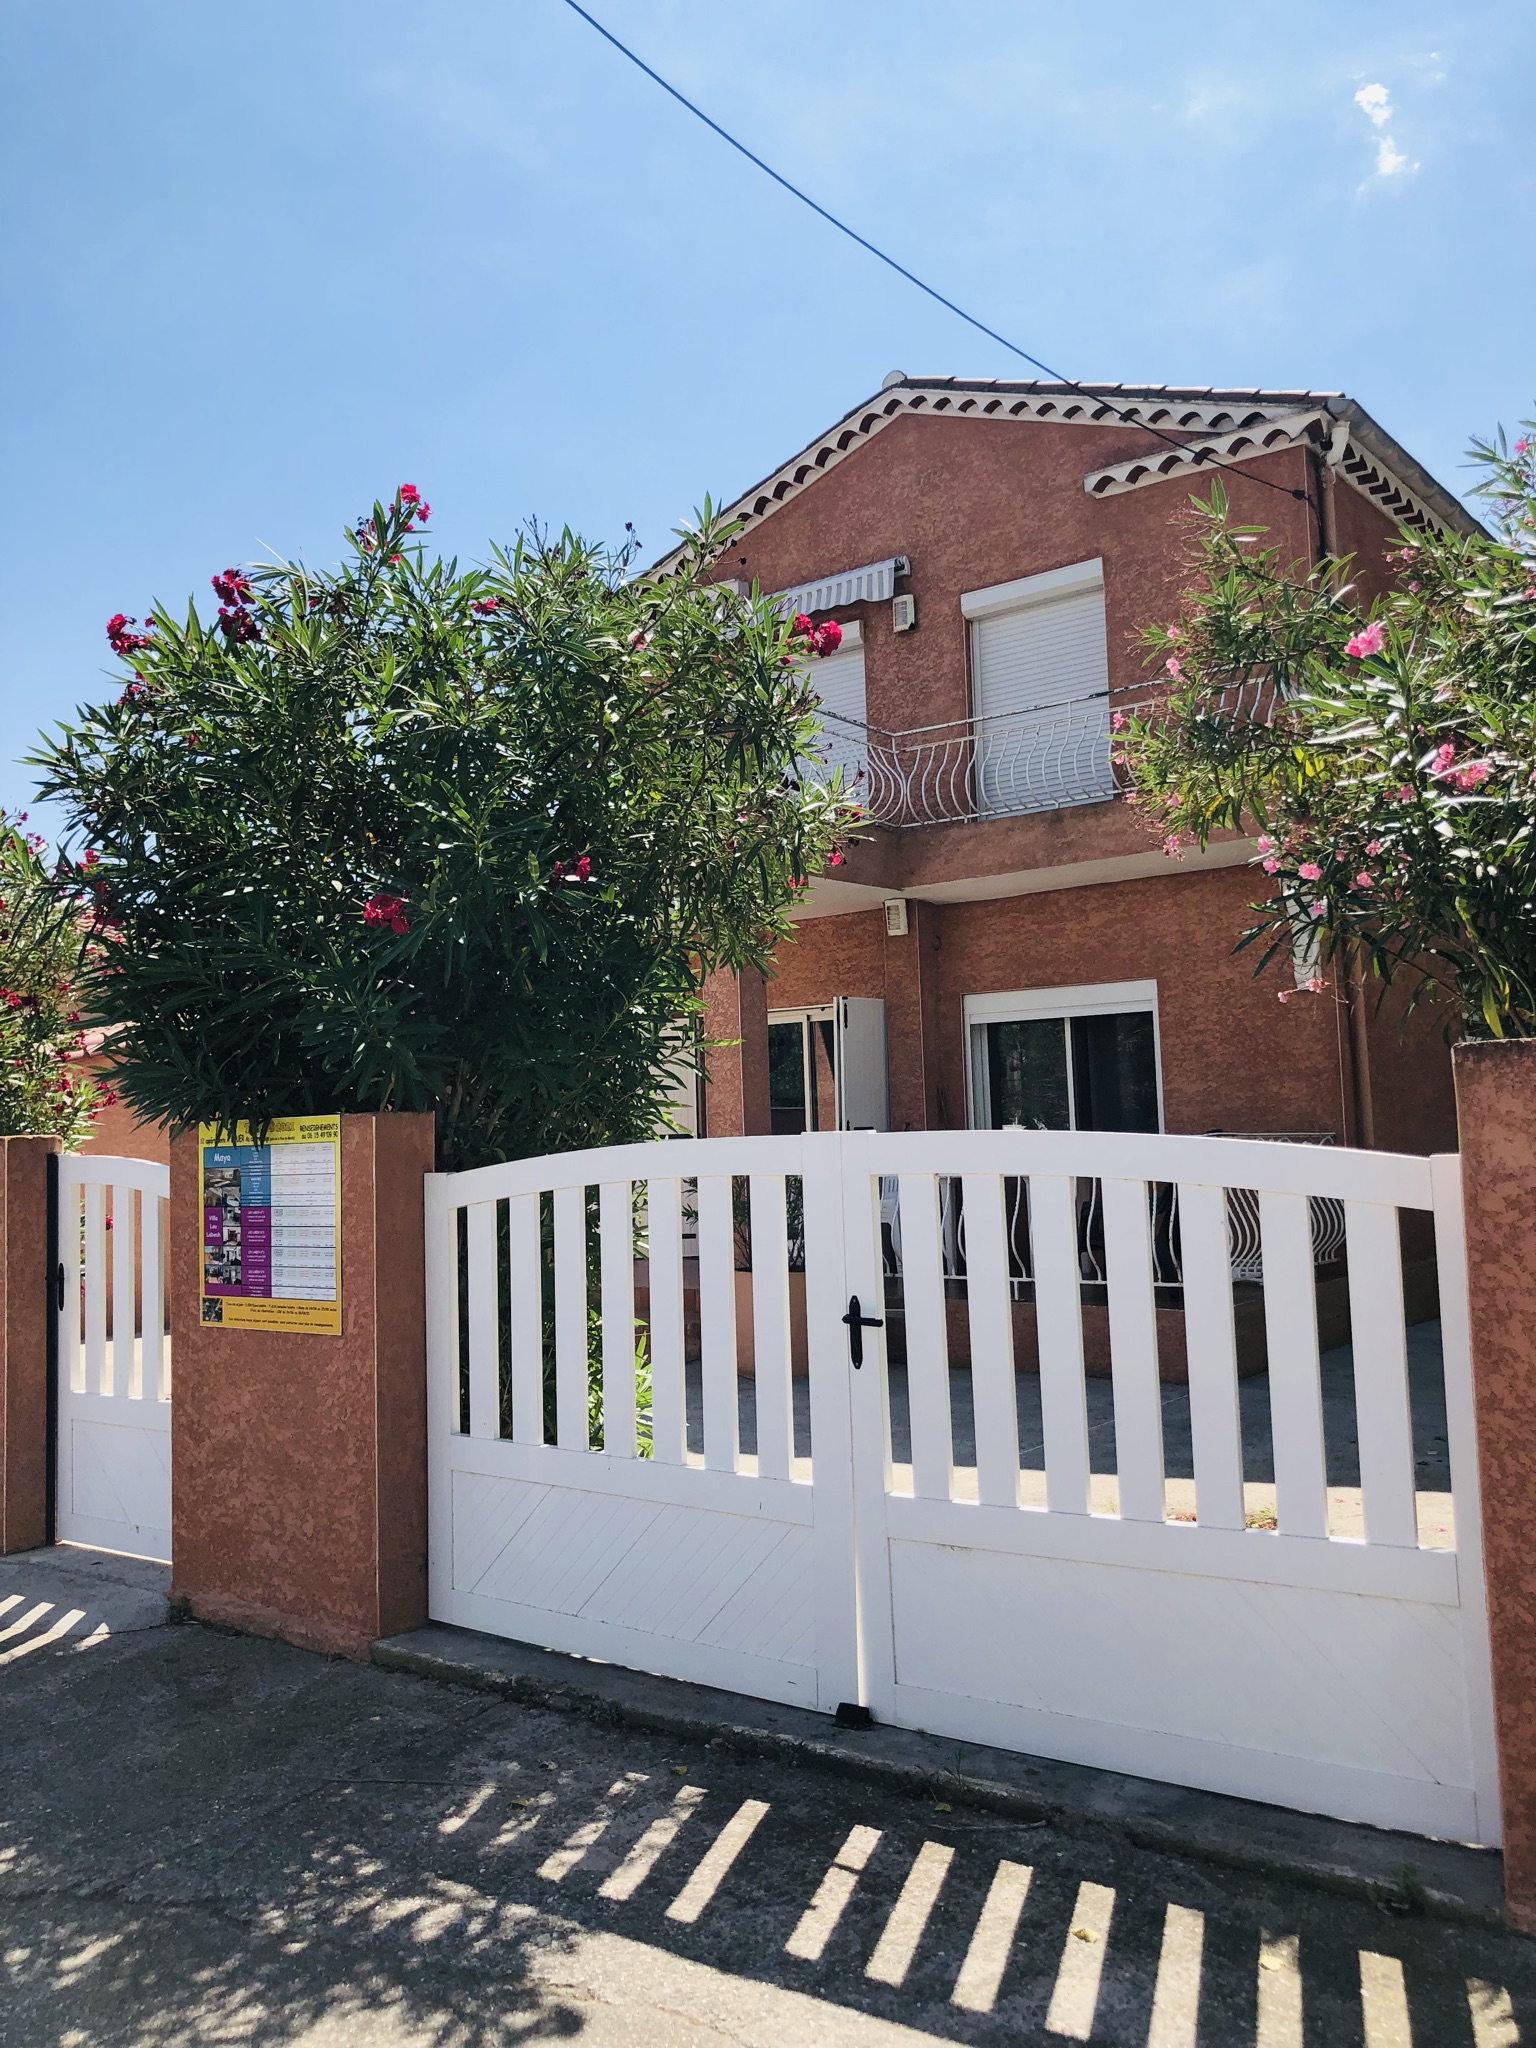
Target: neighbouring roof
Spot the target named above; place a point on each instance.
(1231, 425)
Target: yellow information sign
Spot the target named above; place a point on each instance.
(272, 1225)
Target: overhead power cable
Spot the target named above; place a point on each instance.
(1203, 458)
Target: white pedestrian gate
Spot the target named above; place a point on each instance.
(114, 1356)
(1344, 1671)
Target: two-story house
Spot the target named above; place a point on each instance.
(1007, 944)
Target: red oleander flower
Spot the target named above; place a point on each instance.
(237, 625)
(231, 587)
(484, 605)
(120, 640)
(383, 908)
(828, 638)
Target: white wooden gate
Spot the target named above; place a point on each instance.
(114, 1356)
(1340, 1670)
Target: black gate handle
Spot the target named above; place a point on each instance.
(858, 1323)
(61, 1286)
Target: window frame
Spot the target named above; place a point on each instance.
(1089, 999)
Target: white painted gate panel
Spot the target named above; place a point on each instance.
(726, 1569)
(114, 1356)
(1053, 1611)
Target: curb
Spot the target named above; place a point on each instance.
(1403, 1873)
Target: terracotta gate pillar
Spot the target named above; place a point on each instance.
(24, 1316)
(299, 1461)
(1496, 1112)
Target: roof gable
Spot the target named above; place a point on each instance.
(1215, 427)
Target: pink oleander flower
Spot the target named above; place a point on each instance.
(1270, 866)
(1314, 984)
(1117, 721)
(1405, 793)
(1309, 871)
(1364, 879)
(1367, 641)
(1174, 666)
(1373, 847)
(1284, 995)
(834, 860)
(1318, 909)
(1444, 762)
(1266, 844)
(1173, 846)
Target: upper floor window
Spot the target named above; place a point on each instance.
(839, 683)
(1040, 691)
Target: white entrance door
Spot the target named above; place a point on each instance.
(114, 1356)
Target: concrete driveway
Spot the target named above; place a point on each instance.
(208, 1838)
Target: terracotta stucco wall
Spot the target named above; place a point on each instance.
(1233, 1055)
(975, 502)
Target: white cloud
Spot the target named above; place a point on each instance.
(1390, 159)
(1375, 102)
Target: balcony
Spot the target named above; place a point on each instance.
(1042, 759)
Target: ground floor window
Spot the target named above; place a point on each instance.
(1065, 1059)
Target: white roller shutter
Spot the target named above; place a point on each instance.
(839, 683)
(1040, 676)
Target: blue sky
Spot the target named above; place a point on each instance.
(262, 265)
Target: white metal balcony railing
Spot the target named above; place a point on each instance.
(1042, 759)
(1046, 758)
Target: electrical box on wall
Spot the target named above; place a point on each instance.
(903, 613)
(895, 917)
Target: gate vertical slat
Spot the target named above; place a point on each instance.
(1295, 1383)
(96, 1379)
(525, 1282)
(484, 1391)
(444, 1417)
(927, 1338)
(152, 1295)
(771, 1350)
(835, 1596)
(1210, 1337)
(71, 1344)
(1136, 1388)
(1380, 1343)
(717, 1321)
(664, 1265)
(1063, 1396)
(616, 1225)
(866, 1406)
(571, 1427)
(993, 1396)
(125, 1380)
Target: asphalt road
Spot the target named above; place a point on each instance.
(207, 1838)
